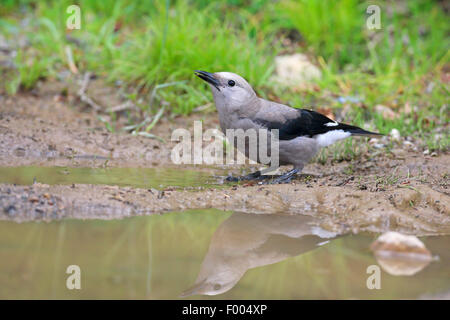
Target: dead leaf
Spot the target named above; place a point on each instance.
(327, 112)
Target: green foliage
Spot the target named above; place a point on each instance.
(147, 45)
(328, 26)
(413, 34)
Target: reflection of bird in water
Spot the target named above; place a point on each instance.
(246, 241)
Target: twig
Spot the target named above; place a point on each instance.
(82, 93)
(149, 135)
(203, 107)
(137, 127)
(122, 107)
(70, 61)
(155, 119)
(162, 86)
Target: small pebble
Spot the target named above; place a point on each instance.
(10, 210)
(395, 134)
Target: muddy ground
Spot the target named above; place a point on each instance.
(402, 190)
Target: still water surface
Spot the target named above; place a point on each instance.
(223, 254)
(132, 177)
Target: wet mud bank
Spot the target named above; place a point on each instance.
(421, 211)
(48, 132)
(400, 189)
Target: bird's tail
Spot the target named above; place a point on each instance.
(356, 131)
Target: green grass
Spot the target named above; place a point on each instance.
(147, 46)
(392, 66)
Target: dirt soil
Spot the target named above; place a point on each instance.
(49, 129)
(403, 190)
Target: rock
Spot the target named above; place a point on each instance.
(375, 142)
(292, 70)
(438, 136)
(33, 199)
(399, 254)
(409, 145)
(395, 135)
(10, 210)
(386, 112)
(378, 146)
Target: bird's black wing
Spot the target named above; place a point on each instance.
(308, 123)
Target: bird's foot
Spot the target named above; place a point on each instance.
(252, 176)
(232, 179)
(285, 178)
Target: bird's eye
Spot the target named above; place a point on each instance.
(218, 286)
(231, 83)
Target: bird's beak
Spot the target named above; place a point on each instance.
(208, 77)
(193, 290)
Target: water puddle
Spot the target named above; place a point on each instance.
(204, 254)
(131, 177)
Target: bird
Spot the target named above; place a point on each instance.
(301, 132)
(245, 241)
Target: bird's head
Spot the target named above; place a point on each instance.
(215, 283)
(228, 88)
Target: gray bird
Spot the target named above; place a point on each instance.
(301, 133)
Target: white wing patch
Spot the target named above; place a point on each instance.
(331, 124)
(326, 139)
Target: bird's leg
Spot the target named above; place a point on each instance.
(257, 175)
(251, 176)
(285, 178)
